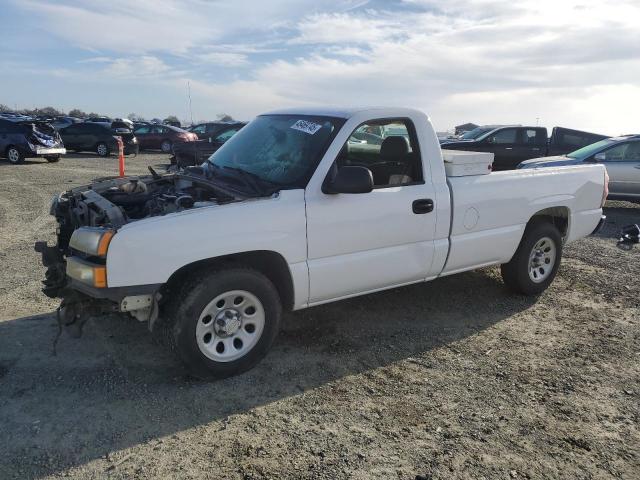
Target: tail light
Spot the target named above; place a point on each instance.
(605, 193)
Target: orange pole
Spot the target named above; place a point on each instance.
(121, 156)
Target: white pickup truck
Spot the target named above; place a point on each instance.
(304, 207)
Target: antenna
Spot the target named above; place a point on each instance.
(189, 94)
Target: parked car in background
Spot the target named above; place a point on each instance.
(63, 122)
(210, 130)
(194, 153)
(98, 120)
(514, 143)
(28, 139)
(14, 117)
(173, 123)
(162, 137)
(99, 138)
(619, 155)
(471, 134)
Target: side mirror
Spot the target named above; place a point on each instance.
(600, 157)
(350, 180)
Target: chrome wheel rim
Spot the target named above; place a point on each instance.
(230, 326)
(542, 259)
(102, 150)
(166, 146)
(13, 155)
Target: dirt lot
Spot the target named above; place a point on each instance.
(451, 379)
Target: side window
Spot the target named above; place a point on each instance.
(388, 148)
(142, 130)
(506, 136)
(6, 126)
(224, 136)
(617, 153)
(633, 152)
(199, 129)
(532, 137)
(157, 129)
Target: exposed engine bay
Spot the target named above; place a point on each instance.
(114, 202)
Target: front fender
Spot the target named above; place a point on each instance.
(149, 251)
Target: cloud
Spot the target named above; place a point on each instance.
(136, 67)
(224, 59)
(344, 28)
(493, 61)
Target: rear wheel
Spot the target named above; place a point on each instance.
(102, 149)
(536, 262)
(166, 145)
(14, 155)
(223, 323)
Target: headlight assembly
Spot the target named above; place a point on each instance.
(86, 272)
(92, 240)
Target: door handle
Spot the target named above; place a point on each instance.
(508, 148)
(423, 205)
(535, 149)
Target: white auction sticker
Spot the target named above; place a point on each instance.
(306, 127)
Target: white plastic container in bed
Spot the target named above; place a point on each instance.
(458, 163)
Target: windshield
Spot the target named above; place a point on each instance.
(586, 152)
(475, 133)
(280, 149)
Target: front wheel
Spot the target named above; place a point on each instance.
(223, 323)
(14, 155)
(102, 149)
(536, 262)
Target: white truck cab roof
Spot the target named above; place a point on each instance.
(346, 112)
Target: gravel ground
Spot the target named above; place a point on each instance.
(451, 379)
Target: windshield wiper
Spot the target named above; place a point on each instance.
(251, 180)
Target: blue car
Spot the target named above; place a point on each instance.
(620, 156)
(29, 138)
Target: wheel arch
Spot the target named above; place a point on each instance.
(271, 264)
(558, 216)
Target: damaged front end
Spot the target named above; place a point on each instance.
(89, 217)
(42, 140)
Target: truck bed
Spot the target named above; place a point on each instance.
(486, 228)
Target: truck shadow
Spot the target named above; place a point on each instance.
(115, 388)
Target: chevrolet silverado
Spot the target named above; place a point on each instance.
(300, 209)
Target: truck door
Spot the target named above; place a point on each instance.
(368, 241)
(532, 143)
(69, 136)
(623, 166)
(142, 134)
(86, 137)
(502, 144)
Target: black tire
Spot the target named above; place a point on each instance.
(14, 155)
(516, 273)
(102, 149)
(181, 316)
(52, 158)
(166, 146)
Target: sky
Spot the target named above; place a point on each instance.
(554, 62)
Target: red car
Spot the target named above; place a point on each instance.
(162, 137)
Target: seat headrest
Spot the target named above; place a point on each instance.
(394, 146)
